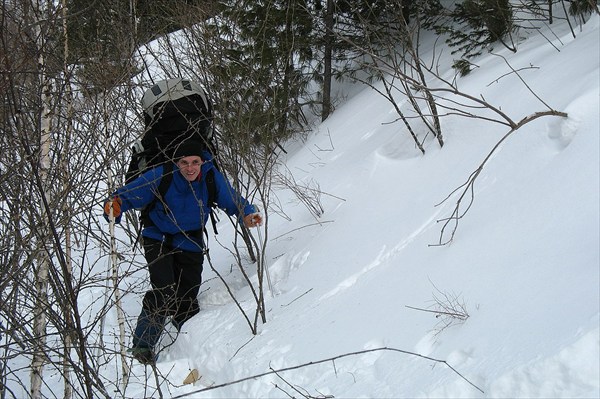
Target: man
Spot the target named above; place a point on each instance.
(173, 239)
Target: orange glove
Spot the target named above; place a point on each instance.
(115, 204)
(253, 220)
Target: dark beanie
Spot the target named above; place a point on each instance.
(188, 148)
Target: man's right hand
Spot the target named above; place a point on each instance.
(113, 204)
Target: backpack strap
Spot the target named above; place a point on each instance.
(163, 187)
(212, 197)
(165, 181)
(212, 188)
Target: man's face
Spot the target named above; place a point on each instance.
(190, 167)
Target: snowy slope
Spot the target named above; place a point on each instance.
(524, 261)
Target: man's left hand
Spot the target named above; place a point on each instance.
(253, 220)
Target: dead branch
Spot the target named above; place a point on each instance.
(439, 312)
(450, 309)
(288, 304)
(469, 186)
(327, 360)
(309, 195)
(304, 394)
(299, 228)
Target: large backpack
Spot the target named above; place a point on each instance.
(175, 110)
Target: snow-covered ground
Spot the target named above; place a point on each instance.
(524, 263)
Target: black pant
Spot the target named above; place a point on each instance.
(175, 277)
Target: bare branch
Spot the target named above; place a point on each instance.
(468, 187)
(332, 360)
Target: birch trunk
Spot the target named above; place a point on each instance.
(115, 268)
(41, 277)
(41, 274)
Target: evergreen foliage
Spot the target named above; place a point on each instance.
(264, 50)
(480, 23)
(583, 8)
(101, 40)
(104, 35)
(462, 66)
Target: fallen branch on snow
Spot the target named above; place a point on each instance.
(331, 359)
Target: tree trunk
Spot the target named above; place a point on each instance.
(115, 266)
(328, 53)
(68, 342)
(41, 277)
(41, 274)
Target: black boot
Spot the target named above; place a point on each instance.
(146, 335)
(143, 355)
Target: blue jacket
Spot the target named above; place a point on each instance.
(186, 209)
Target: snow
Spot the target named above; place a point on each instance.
(524, 262)
(343, 316)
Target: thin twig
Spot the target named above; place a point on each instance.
(300, 228)
(241, 347)
(457, 315)
(283, 306)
